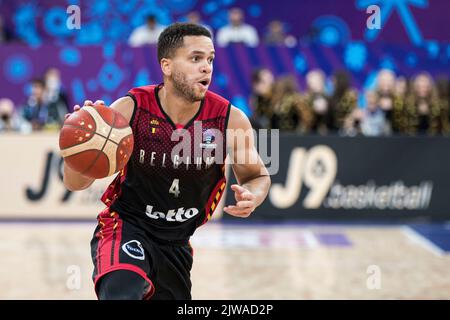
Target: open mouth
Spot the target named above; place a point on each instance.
(204, 82)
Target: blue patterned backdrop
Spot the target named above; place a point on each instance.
(96, 63)
(330, 22)
(108, 72)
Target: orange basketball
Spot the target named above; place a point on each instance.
(96, 141)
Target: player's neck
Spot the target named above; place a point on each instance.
(177, 108)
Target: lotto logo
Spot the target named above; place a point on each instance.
(179, 215)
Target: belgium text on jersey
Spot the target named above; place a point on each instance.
(206, 146)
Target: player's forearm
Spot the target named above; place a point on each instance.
(259, 186)
(74, 181)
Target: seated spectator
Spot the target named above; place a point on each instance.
(372, 118)
(289, 111)
(260, 98)
(344, 98)
(276, 35)
(55, 97)
(35, 109)
(401, 87)
(423, 112)
(385, 88)
(319, 103)
(237, 31)
(443, 91)
(146, 34)
(10, 121)
(42, 113)
(195, 18)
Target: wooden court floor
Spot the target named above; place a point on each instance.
(52, 261)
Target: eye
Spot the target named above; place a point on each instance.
(195, 59)
(210, 60)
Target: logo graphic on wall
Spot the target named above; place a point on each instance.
(316, 169)
(134, 249)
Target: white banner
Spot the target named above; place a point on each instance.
(31, 183)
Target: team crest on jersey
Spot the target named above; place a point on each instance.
(208, 140)
(154, 125)
(134, 249)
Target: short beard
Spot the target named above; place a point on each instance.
(184, 90)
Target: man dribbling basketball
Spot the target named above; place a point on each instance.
(140, 248)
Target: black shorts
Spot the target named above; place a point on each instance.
(120, 245)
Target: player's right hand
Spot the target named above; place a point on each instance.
(86, 103)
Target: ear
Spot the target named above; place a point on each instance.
(166, 66)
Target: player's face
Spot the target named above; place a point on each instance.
(192, 67)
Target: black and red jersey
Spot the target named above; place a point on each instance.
(168, 188)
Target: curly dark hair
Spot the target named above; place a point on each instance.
(172, 37)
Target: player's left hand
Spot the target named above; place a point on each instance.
(245, 202)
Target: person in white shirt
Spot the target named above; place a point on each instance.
(370, 121)
(237, 31)
(146, 34)
(373, 122)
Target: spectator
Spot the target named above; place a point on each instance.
(318, 102)
(55, 96)
(401, 87)
(35, 109)
(344, 98)
(260, 99)
(10, 121)
(45, 109)
(385, 91)
(289, 111)
(276, 35)
(443, 91)
(237, 31)
(194, 17)
(372, 119)
(423, 112)
(146, 34)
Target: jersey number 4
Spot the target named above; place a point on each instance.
(175, 188)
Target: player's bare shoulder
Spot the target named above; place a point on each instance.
(125, 106)
(238, 120)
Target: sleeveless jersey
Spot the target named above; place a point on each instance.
(175, 176)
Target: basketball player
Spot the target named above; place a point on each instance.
(140, 248)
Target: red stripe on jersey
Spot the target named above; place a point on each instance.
(100, 237)
(212, 198)
(118, 239)
(113, 191)
(108, 235)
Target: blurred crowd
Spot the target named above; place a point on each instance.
(328, 105)
(235, 31)
(395, 105)
(43, 109)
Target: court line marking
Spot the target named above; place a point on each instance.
(423, 241)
